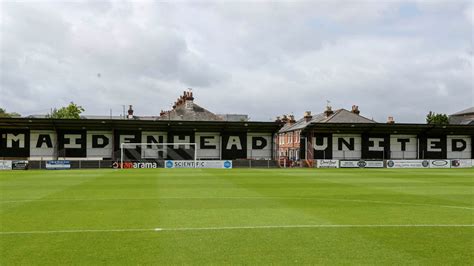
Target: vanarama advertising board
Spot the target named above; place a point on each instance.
(198, 164)
(134, 165)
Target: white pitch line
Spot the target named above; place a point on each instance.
(250, 197)
(236, 228)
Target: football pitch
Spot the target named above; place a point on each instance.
(238, 216)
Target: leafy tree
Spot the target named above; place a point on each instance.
(437, 119)
(72, 111)
(3, 113)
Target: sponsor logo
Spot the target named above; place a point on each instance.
(361, 164)
(169, 164)
(227, 164)
(425, 163)
(134, 165)
(439, 163)
(390, 164)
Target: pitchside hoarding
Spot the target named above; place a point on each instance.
(198, 164)
(440, 164)
(5, 165)
(461, 163)
(361, 164)
(408, 164)
(327, 163)
(58, 165)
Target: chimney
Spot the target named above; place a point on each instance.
(188, 99)
(355, 109)
(130, 112)
(328, 111)
(307, 116)
(291, 119)
(390, 120)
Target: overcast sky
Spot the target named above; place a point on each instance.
(392, 58)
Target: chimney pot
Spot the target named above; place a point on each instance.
(390, 120)
(307, 116)
(355, 109)
(328, 111)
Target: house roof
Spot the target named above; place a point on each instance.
(193, 113)
(339, 116)
(467, 111)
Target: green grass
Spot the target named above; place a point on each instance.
(45, 201)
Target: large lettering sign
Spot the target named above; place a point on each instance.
(322, 146)
(403, 146)
(346, 146)
(234, 146)
(99, 144)
(129, 152)
(259, 145)
(72, 143)
(14, 143)
(432, 147)
(184, 151)
(154, 151)
(208, 145)
(43, 144)
(459, 147)
(375, 147)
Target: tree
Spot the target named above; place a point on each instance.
(3, 113)
(437, 119)
(72, 111)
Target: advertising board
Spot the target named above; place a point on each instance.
(5, 165)
(20, 165)
(327, 163)
(58, 165)
(198, 164)
(408, 164)
(361, 164)
(461, 163)
(440, 164)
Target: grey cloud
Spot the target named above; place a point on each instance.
(264, 59)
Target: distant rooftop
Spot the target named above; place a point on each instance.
(328, 116)
(464, 117)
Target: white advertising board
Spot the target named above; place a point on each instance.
(327, 163)
(440, 164)
(461, 163)
(198, 164)
(408, 164)
(361, 164)
(5, 165)
(58, 165)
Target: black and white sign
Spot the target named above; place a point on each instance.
(20, 165)
(234, 146)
